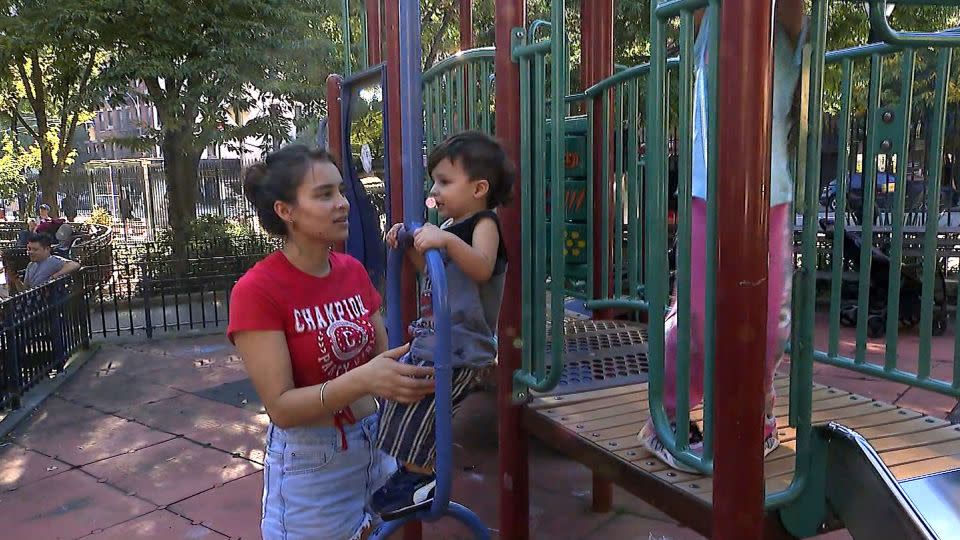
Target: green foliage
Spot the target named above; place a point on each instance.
(53, 54)
(100, 216)
(212, 235)
(212, 226)
(222, 70)
(14, 162)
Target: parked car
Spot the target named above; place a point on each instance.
(886, 183)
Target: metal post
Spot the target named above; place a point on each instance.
(335, 128)
(374, 53)
(334, 119)
(466, 25)
(148, 193)
(466, 42)
(597, 59)
(512, 451)
(743, 116)
(391, 20)
(345, 31)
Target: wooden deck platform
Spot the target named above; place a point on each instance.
(599, 428)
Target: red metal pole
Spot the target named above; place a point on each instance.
(514, 476)
(466, 24)
(334, 118)
(597, 59)
(374, 54)
(743, 113)
(391, 22)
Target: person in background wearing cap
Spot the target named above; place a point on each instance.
(47, 224)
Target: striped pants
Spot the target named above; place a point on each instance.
(407, 430)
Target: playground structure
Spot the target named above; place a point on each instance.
(599, 244)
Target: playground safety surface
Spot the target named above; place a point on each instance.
(164, 439)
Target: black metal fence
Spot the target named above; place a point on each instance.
(134, 193)
(41, 329)
(162, 295)
(136, 289)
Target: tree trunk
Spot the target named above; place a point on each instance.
(181, 161)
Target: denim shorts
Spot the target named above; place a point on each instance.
(315, 489)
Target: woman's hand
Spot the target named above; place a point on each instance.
(393, 236)
(387, 378)
(429, 236)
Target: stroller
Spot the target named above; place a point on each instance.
(911, 289)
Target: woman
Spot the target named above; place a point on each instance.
(307, 322)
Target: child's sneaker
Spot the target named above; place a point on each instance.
(405, 493)
(772, 441)
(649, 440)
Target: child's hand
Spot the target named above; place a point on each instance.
(393, 236)
(428, 237)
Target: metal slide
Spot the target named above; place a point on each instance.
(872, 504)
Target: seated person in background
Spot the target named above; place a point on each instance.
(48, 224)
(45, 266)
(23, 235)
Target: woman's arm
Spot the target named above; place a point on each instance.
(267, 361)
(381, 330)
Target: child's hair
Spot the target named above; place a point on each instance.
(481, 157)
(277, 178)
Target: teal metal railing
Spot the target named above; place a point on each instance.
(645, 105)
(458, 94)
(894, 111)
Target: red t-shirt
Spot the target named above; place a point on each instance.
(326, 320)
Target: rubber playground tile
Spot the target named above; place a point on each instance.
(237, 393)
(232, 509)
(887, 391)
(114, 393)
(92, 440)
(157, 525)
(20, 466)
(927, 402)
(121, 360)
(555, 515)
(224, 427)
(629, 526)
(65, 506)
(171, 471)
(198, 378)
(213, 346)
(54, 413)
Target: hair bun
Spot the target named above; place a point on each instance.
(255, 182)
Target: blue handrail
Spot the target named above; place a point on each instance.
(442, 371)
(411, 110)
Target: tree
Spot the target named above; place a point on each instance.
(15, 161)
(53, 58)
(207, 65)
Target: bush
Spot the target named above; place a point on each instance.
(215, 236)
(100, 216)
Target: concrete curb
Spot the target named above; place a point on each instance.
(36, 395)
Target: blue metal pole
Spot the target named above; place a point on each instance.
(411, 110)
